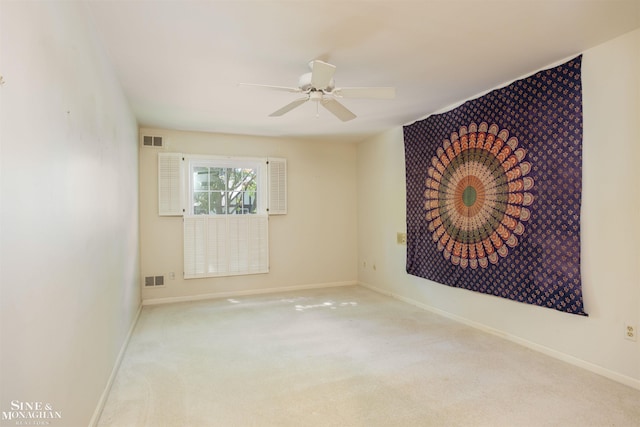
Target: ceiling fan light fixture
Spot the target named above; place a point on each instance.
(315, 95)
(305, 83)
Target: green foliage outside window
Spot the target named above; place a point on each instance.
(221, 191)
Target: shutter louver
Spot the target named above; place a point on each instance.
(277, 175)
(238, 244)
(259, 244)
(170, 184)
(217, 258)
(194, 246)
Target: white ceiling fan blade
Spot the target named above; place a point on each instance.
(321, 74)
(290, 106)
(338, 110)
(280, 88)
(365, 92)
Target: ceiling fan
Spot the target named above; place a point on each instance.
(319, 86)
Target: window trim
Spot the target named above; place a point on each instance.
(259, 164)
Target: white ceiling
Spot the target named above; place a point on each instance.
(180, 62)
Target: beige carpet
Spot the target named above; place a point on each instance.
(344, 357)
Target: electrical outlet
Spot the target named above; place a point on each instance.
(630, 332)
(401, 238)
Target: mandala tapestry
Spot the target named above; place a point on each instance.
(494, 192)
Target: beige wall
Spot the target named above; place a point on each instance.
(69, 239)
(314, 244)
(610, 230)
(70, 269)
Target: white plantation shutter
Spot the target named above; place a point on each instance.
(195, 245)
(170, 185)
(259, 244)
(238, 244)
(225, 245)
(216, 251)
(222, 244)
(277, 186)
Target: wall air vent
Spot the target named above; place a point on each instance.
(152, 141)
(153, 281)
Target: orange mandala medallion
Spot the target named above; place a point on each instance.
(477, 195)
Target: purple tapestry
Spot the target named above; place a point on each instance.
(494, 191)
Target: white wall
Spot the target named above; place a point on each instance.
(313, 245)
(610, 230)
(69, 213)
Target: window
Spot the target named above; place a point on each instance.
(220, 189)
(224, 203)
(226, 226)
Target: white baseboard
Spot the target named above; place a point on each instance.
(105, 393)
(612, 375)
(231, 294)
